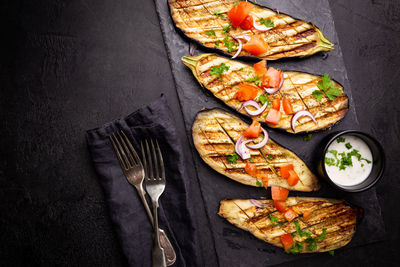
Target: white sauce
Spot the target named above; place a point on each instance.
(351, 175)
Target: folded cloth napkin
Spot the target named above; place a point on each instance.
(127, 212)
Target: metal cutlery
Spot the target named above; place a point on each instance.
(134, 172)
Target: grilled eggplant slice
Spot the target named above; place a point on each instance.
(206, 22)
(215, 133)
(337, 217)
(297, 87)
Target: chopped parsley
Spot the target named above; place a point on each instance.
(267, 22)
(330, 161)
(331, 252)
(241, 69)
(217, 43)
(296, 248)
(341, 140)
(236, 3)
(345, 158)
(307, 137)
(229, 44)
(257, 80)
(227, 28)
(210, 32)
(270, 157)
(219, 70)
(300, 232)
(218, 13)
(232, 158)
(312, 244)
(259, 184)
(273, 219)
(262, 207)
(326, 87)
(322, 236)
(348, 145)
(251, 160)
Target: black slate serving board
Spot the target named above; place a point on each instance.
(235, 247)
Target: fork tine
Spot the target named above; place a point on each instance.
(151, 174)
(155, 167)
(161, 161)
(122, 151)
(131, 161)
(146, 172)
(114, 142)
(131, 149)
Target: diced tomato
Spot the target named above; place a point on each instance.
(287, 241)
(287, 106)
(261, 68)
(254, 130)
(272, 78)
(306, 214)
(256, 45)
(290, 214)
(247, 23)
(285, 170)
(251, 169)
(265, 181)
(239, 12)
(279, 193)
(246, 92)
(276, 103)
(280, 205)
(293, 178)
(273, 116)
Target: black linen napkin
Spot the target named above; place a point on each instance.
(127, 212)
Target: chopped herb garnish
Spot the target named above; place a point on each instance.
(362, 164)
(232, 158)
(267, 22)
(257, 80)
(326, 86)
(234, 4)
(262, 207)
(341, 140)
(241, 69)
(210, 32)
(251, 160)
(263, 99)
(300, 232)
(313, 245)
(219, 70)
(229, 44)
(259, 184)
(322, 236)
(318, 95)
(348, 145)
(270, 157)
(330, 161)
(227, 28)
(217, 43)
(307, 137)
(296, 248)
(331, 252)
(218, 13)
(274, 219)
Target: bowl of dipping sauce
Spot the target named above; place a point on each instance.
(352, 161)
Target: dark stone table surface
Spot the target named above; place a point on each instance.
(67, 66)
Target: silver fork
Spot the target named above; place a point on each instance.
(134, 172)
(155, 185)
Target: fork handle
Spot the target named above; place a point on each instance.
(169, 251)
(158, 252)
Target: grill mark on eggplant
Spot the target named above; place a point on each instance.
(340, 228)
(284, 31)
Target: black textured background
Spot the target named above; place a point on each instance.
(68, 66)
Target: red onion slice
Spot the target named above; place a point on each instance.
(242, 36)
(272, 91)
(298, 115)
(262, 143)
(239, 49)
(192, 48)
(256, 203)
(241, 149)
(250, 103)
(261, 28)
(259, 110)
